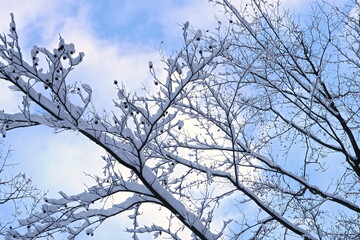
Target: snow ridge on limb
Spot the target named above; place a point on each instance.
(127, 146)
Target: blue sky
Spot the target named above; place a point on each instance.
(118, 38)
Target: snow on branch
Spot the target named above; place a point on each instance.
(126, 139)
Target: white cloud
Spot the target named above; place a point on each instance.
(9, 101)
(34, 16)
(105, 61)
(200, 14)
(55, 161)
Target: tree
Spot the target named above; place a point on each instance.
(253, 132)
(16, 193)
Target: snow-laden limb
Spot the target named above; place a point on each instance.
(18, 120)
(74, 219)
(157, 230)
(76, 213)
(29, 78)
(126, 144)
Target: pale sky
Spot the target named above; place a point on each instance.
(119, 38)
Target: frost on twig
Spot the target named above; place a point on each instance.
(16, 190)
